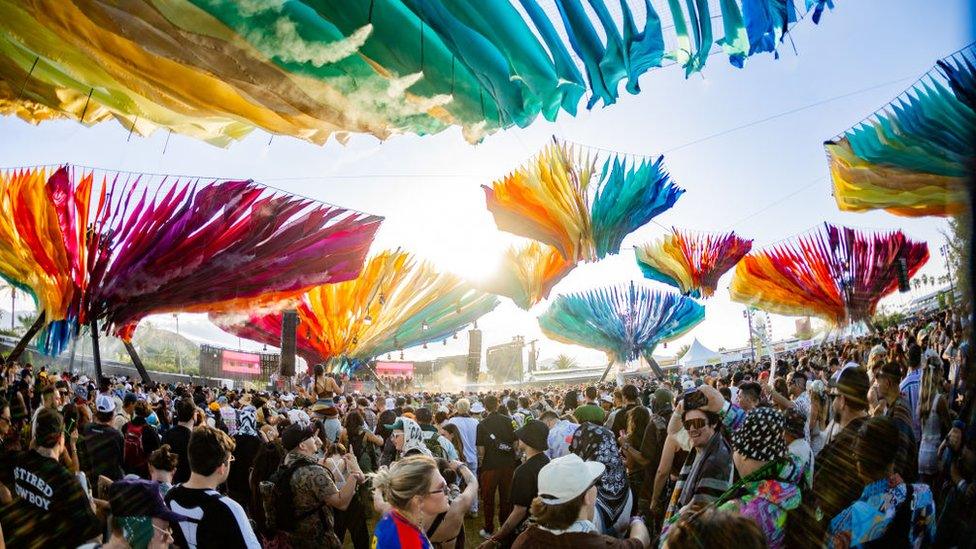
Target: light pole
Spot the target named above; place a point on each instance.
(179, 363)
(752, 345)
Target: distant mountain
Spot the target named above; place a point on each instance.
(160, 350)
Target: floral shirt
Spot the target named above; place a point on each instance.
(766, 502)
(559, 438)
(868, 517)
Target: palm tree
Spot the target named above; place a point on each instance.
(564, 362)
(681, 351)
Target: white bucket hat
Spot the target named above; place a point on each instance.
(566, 478)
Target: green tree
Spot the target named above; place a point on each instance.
(564, 362)
(681, 351)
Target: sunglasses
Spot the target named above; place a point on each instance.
(442, 490)
(695, 424)
(166, 532)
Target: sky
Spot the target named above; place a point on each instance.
(746, 144)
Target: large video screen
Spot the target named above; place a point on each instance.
(234, 362)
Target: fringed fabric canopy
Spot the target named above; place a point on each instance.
(624, 321)
(562, 198)
(218, 69)
(118, 250)
(913, 158)
(693, 263)
(838, 274)
(528, 273)
(397, 302)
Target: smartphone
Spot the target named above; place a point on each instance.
(695, 399)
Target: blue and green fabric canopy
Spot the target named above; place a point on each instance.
(314, 69)
(624, 321)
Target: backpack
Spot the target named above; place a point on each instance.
(278, 499)
(431, 440)
(134, 455)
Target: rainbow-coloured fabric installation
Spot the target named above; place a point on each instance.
(623, 321)
(218, 69)
(839, 274)
(913, 158)
(397, 302)
(114, 250)
(691, 262)
(562, 198)
(528, 273)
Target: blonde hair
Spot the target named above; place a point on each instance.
(928, 388)
(463, 406)
(404, 479)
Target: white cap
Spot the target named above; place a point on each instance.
(390, 403)
(83, 380)
(687, 384)
(287, 397)
(566, 478)
(477, 408)
(104, 403)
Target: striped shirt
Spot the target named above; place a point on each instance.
(909, 389)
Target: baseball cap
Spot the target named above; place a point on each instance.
(104, 403)
(131, 497)
(566, 478)
(296, 434)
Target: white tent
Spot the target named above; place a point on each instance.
(698, 355)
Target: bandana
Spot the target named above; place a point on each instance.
(761, 435)
(413, 437)
(247, 423)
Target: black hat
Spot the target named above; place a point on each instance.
(140, 498)
(535, 434)
(295, 434)
(852, 382)
(761, 435)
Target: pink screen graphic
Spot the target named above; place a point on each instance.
(240, 363)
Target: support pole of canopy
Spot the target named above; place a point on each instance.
(96, 352)
(24, 341)
(606, 371)
(137, 362)
(655, 367)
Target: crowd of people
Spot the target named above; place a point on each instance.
(854, 443)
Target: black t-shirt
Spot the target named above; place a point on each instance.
(50, 509)
(496, 434)
(178, 437)
(7, 460)
(620, 419)
(216, 520)
(100, 451)
(525, 481)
